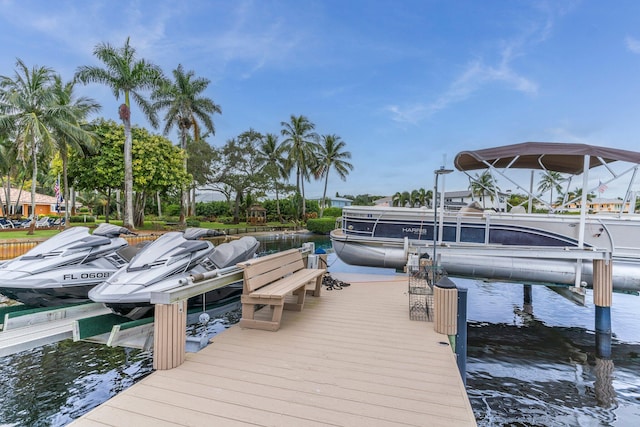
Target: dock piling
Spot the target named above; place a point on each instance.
(602, 298)
(169, 335)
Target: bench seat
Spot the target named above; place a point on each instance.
(268, 280)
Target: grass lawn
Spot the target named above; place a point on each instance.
(21, 233)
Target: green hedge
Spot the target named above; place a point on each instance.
(321, 225)
(82, 218)
(332, 212)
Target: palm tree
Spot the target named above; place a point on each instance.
(185, 107)
(575, 196)
(331, 154)
(482, 185)
(80, 108)
(420, 197)
(30, 108)
(8, 161)
(301, 145)
(550, 180)
(396, 199)
(276, 163)
(127, 76)
(401, 199)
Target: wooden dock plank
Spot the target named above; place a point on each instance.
(351, 358)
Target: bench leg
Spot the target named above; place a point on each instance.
(249, 311)
(299, 294)
(318, 287)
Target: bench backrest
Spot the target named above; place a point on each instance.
(259, 272)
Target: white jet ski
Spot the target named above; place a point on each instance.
(62, 269)
(165, 264)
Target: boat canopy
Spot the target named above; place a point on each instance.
(554, 156)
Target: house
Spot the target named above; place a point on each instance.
(600, 205)
(456, 199)
(334, 202)
(45, 205)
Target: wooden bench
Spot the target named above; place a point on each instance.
(269, 279)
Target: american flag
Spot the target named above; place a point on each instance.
(56, 189)
(601, 187)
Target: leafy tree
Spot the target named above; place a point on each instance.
(241, 168)
(331, 155)
(126, 76)
(401, 199)
(420, 197)
(201, 157)
(516, 199)
(158, 165)
(80, 107)
(550, 180)
(276, 164)
(185, 108)
(213, 209)
(576, 195)
(484, 185)
(8, 168)
(301, 144)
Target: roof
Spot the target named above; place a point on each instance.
(553, 156)
(25, 197)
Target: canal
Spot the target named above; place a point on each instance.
(527, 365)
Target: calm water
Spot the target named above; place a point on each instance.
(526, 366)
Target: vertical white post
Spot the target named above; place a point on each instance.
(583, 216)
(440, 224)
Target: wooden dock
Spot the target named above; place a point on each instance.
(352, 357)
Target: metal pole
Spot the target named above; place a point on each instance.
(437, 172)
(435, 221)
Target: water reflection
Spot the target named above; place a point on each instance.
(54, 384)
(531, 361)
(535, 364)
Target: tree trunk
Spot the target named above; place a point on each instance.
(118, 205)
(108, 207)
(236, 210)
(278, 205)
(324, 194)
(125, 116)
(159, 205)
(193, 200)
(184, 194)
(34, 159)
(140, 204)
(65, 190)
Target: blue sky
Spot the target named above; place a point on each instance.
(406, 84)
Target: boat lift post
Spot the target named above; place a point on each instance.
(437, 172)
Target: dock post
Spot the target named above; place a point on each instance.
(445, 307)
(527, 305)
(602, 298)
(169, 335)
(461, 337)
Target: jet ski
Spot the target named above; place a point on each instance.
(166, 264)
(62, 269)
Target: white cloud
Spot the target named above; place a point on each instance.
(633, 44)
(479, 73)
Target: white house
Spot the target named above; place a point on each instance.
(334, 202)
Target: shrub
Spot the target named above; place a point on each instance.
(192, 222)
(334, 212)
(226, 220)
(82, 218)
(321, 225)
